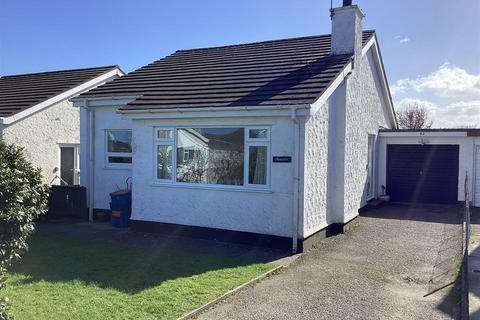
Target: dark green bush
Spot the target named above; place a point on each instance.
(23, 197)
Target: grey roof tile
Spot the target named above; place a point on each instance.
(20, 92)
(279, 72)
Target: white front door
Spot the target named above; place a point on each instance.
(370, 185)
(69, 173)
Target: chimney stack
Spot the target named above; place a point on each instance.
(347, 30)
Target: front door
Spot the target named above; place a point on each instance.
(68, 165)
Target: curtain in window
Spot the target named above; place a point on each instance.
(258, 165)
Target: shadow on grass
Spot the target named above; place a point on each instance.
(125, 268)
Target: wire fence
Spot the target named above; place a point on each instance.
(451, 265)
(449, 256)
(466, 227)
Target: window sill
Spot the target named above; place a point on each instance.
(129, 168)
(210, 187)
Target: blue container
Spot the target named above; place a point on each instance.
(120, 208)
(119, 215)
(121, 196)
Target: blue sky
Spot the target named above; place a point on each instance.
(421, 41)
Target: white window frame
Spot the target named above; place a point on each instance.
(165, 142)
(76, 169)
(247, 143)
(186, 154)
(256, 142)
(247, 136)
(108, 154)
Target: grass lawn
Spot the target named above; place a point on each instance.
(65, 278)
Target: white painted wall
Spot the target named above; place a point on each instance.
(266, 212)
(467, 147)
(316, 168)
(336, 148)
(365, 114)
(41, 133)
(106, 179)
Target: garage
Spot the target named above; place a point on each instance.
(422, 173)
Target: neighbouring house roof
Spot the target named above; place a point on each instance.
(281, 72)
(21, 92)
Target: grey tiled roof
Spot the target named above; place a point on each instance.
(20, 92)
(279, 72)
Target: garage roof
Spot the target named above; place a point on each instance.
(280, 72)
(20, 92)
(467, 131)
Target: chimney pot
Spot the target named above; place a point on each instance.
(347, 3)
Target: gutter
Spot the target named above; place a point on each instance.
(296, 179)
(213, 109)
(93, 98)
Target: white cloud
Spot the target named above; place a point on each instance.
(400, 86)
(446, 82)
(402, 39)
(453, 115)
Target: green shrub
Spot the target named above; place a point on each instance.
(23, 197)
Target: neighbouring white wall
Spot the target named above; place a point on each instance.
(266, 212)
(106, 179)
(41, 133)
(467, 147)
(365, 114)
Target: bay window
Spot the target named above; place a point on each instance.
(119, 147)
(230, 156)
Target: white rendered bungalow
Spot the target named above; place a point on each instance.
(35, 113)
(266, 142)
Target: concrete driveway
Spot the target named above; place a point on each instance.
(389, 267)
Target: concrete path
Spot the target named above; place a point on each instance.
(386, 268)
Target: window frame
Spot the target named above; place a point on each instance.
(256, 142)
(247, 136)
(248, 142)
(171, 142)
(109, 154)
